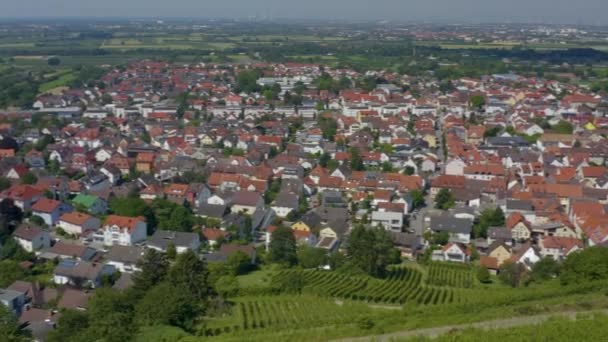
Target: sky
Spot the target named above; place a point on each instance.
(592, 12)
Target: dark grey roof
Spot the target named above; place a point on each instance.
(507, 141)
(408, 240)
(212, 210)
(125, 254)
(521, 205)
(286, 200)
(163, 238)
(499, 233)
(451, 224)
(328, 214)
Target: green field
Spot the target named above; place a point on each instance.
(583, 328)
(63, 80)
(333, 304)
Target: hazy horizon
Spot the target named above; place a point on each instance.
(585, 12)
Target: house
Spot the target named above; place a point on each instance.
(501, 234)
(32, 238)
(388, 220)
(81, 273)
(144, 162)
(521, 229)
(307, 222)
(301, 237)
(490, 263)
(499, 251)
(17, 171)
(13, 300)
(121, 230)
(50, 210)
(182, 241)
(329, 238)
(285, 203)
(458, 228)
(64, 250)
(125, 258)
(35, 294)
(246, 202)
(24, 196)
(112, 173)
(76, 223)
(176, 193)
(526, 254)
(559, 248)
(93, 204)
(74, 299)
(409, 244)
(230, 248)
(454, 252)
(215, 235)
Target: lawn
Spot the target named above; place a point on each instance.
(63, 80)
(260, 278)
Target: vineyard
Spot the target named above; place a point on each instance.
(281, 312)
(455, 275)
(403, 285)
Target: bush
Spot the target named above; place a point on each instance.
(483, 275)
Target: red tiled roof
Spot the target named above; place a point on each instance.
(46, 205)
(123, 222)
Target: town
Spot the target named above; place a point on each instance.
(285, 178)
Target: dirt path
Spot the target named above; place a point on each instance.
(485, 325)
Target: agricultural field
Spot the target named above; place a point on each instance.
(310, 317)
(403, 285)
(62, 80)
(455, 275)
(592, 327)
(281, 312)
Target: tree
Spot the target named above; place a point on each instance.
(417, 199)
(310, 257)
(483, 275)
(409, 170)
(164, 333)
(371, 250)
(71, 326)
(583, 266)
(110, 315)
(545, 269)
(53, 61)
(227, 286)
(387, 166)
(238, 263)
(512, 274)
(9, 327)
(328, 126)
(167, 304)
(563, 127)
(171, 251)
(356, 162)
(154, 268)
(444, 199)
(128, 206)
(477, 101)
(488, 218)
(246, 81)
(9, 272)
(29, 178)
(283, 246)
(190, 272)
(324, 159)
(5, 183)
